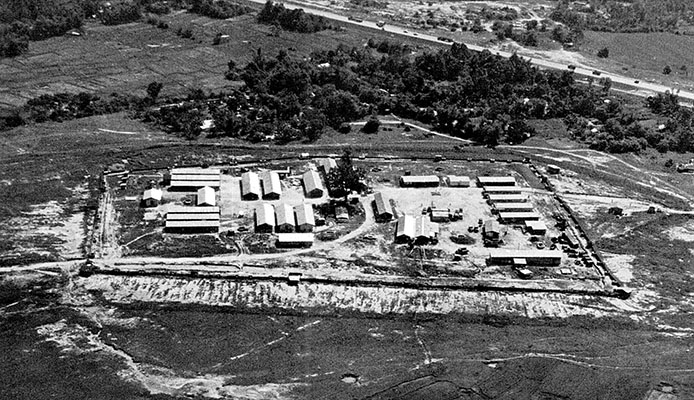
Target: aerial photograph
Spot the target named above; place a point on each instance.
(347, 199)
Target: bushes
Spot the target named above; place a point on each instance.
(220, 9)
(122, 13)
(292, 20)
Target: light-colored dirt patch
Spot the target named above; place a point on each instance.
(76, 339)
(620, 265)
(684, 233)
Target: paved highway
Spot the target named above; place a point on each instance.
(643, 89)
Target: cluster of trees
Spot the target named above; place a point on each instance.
(220, 9)
(67, 106)
(629, 16)
(678, 133)
(121, 13)
(22, 21)
(292, 20)
(505, 30)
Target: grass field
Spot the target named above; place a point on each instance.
(644, 54)
(126, 58)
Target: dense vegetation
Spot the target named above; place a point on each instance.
(626, 16)
(220, 9)
(292, 20)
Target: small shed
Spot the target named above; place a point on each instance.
(553, 169)
(441, 215)
(264, 218)
(151, 197)
(382, 209)
(250, 186)
(305, 220)
(284, 215)
(327, 164)
(206, 197)
(536, 227)
(458, 181)
(272, 187)
(313, 184)
(491, 230)
(341, 214)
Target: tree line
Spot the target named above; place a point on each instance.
(626, 16)
(467, 94)
(292, 20)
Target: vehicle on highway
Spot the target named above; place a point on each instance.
(572, 67)
(380, 24)
(597, 73)
(355, 19)
(444, 39)
(637, 81)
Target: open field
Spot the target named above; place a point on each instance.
(126, 58)
(645, 54)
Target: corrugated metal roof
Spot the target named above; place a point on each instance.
(382, 204)
(419, 179)
(511, 253)
(250, 183)
(284, 214)
(304, 215)
(425, 228)
(513, 206)
(191, 217)
(194, 210)
(192, 224)
(327, 163)
(458, 180)
(312, 181)
(195, 184)
(295, 237)
(536, 225)
(153, 193)
(519, 215)
(271, 183)
(206, 196)
(405, 226)
(513, 198)
(265, 214)
(502, 189)
(195, 171)
(492, 180)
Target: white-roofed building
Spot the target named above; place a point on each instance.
(284, 216)
(405, 229)
(151, 197)
(327, 164)
(313, 184)
(194, 178)
(272, 187)
(525, 257)
(458, 181)
(511, 217)
(536, 227)
(192, 219)
(382, 210)
(206, 197)
(264, 218)
(496, 181)
(305, 220)
(294, 240)
(513, 207)
(507, 198)
(250, 186)
(419, 181)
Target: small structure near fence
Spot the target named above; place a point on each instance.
(206, 197)
(151, 197)
(521, 258)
